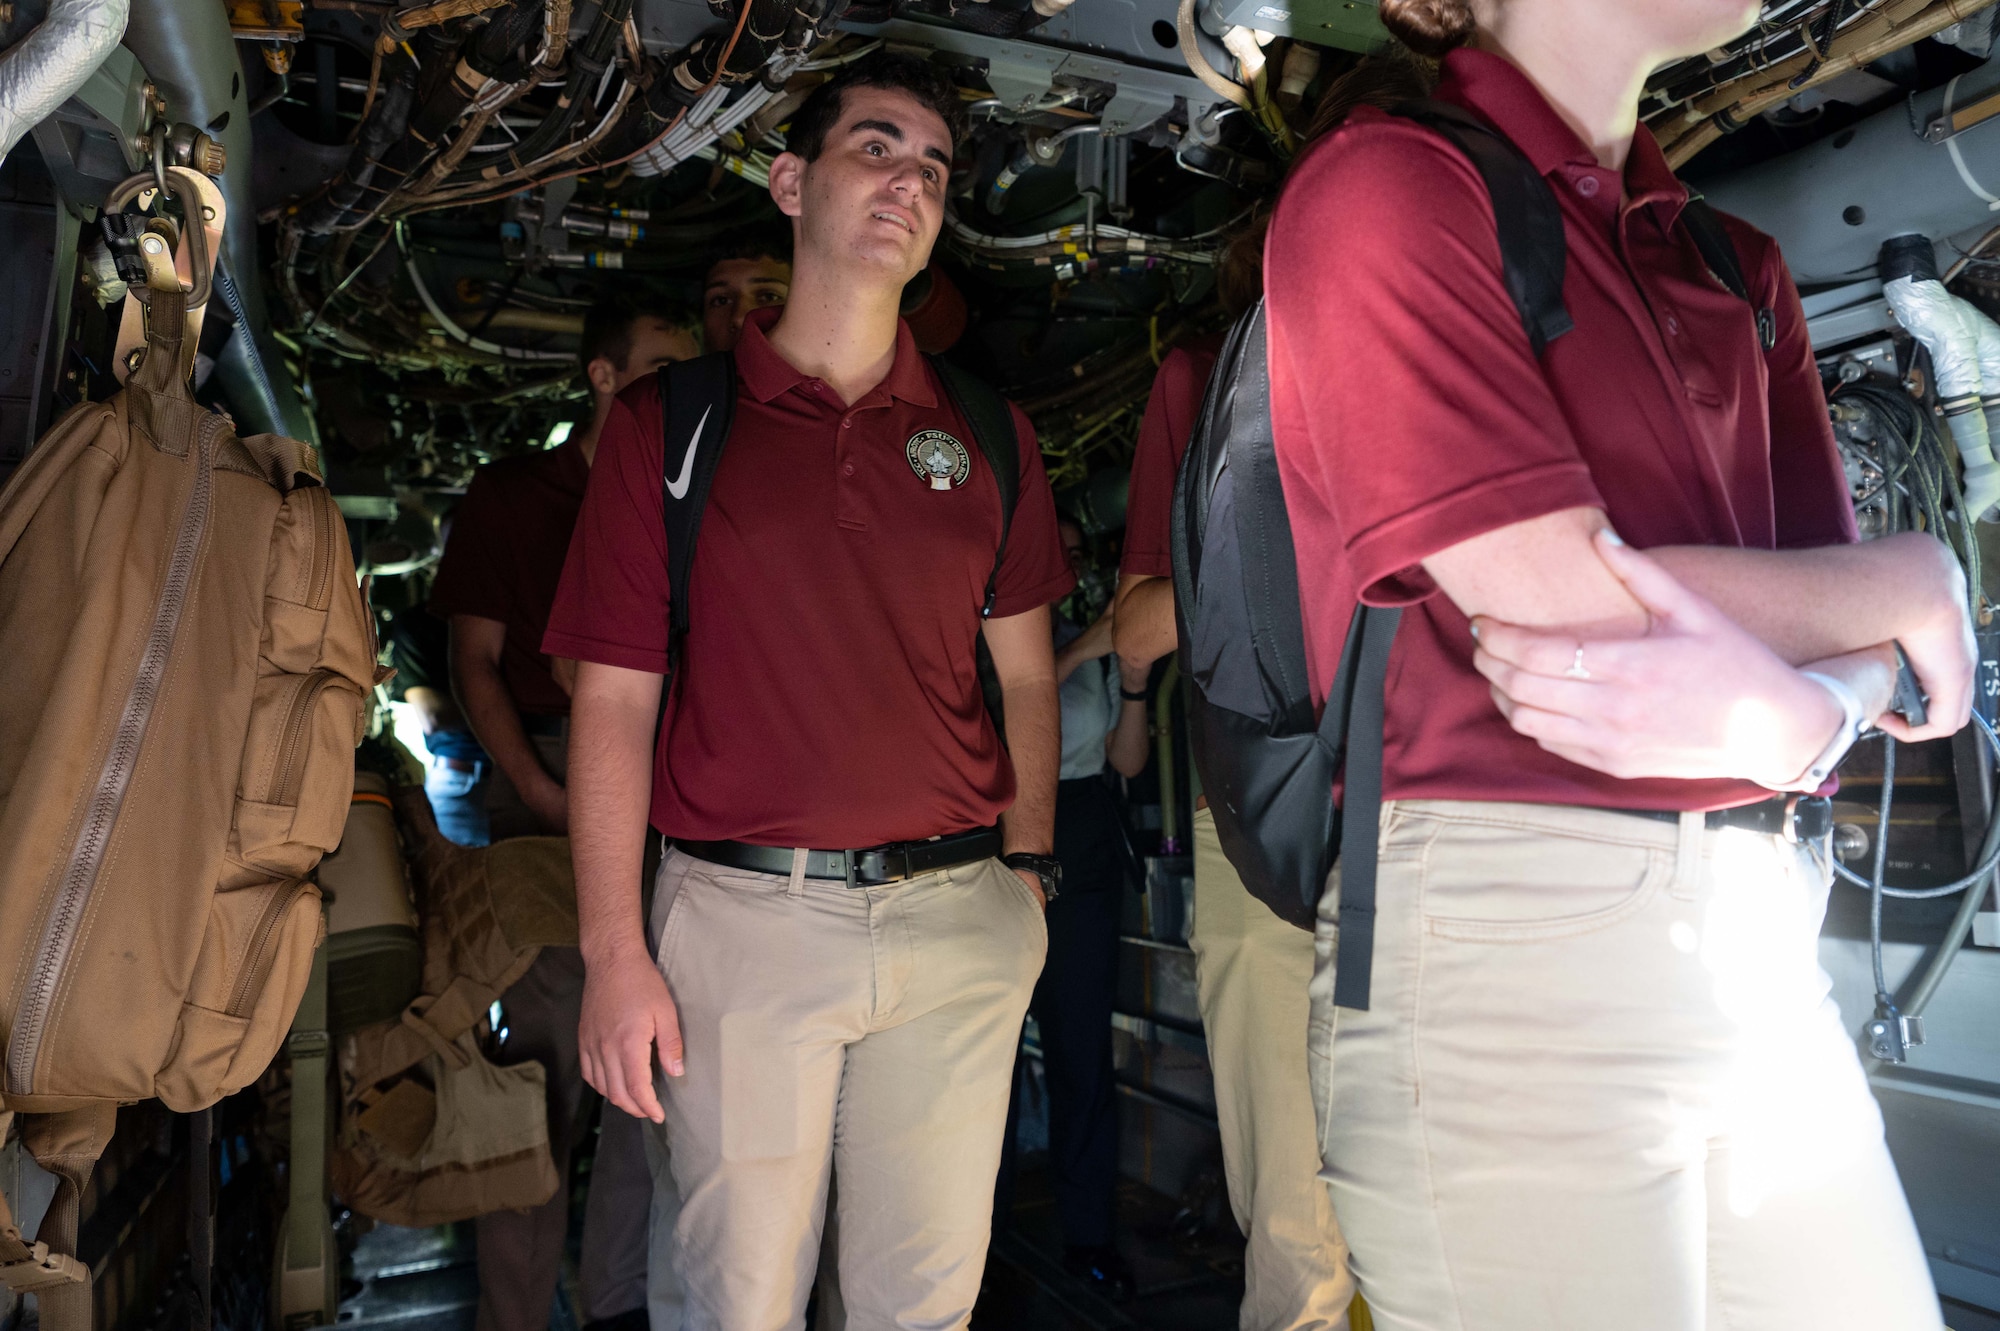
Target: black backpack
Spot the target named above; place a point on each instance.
(1267, 766)
(697, 408)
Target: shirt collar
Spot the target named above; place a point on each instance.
(767, 375)
(1497, 89)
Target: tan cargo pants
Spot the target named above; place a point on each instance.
(1600, 1084)
(875, 1027)
(1251, 974)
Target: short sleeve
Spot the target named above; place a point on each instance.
(1404, 390)
(1033, 572)
(1808, 482)
(1164, 432)
(469, 577)
(611, 606)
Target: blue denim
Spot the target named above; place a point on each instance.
(459, 801)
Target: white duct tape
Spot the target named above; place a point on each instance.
(1933, 317)
(44, 69)
(1939, 320)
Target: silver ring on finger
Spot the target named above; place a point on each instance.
(1576, 669)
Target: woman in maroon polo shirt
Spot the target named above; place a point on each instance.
(1599, 1082)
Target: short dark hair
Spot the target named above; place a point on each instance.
(607, 327)
(763, 242)
(920, 79)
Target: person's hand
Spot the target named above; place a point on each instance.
(1945, 658)
(627, 1013)
(548, 800)
(1034, 882)
(1696, 698)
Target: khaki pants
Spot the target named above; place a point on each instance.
(1252, 971)
(1600, 1084)
(875, 1027)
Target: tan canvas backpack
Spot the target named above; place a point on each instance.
(430, 1132)
(188, 662)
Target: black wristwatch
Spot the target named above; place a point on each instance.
(1045, 867)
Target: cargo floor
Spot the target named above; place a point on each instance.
(424, 1280)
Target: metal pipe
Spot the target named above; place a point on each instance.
(1953, 333)
(1832, 203)
(190, 55)
(44, 69)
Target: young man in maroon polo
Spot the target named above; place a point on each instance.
(827, 702)
(494, 588)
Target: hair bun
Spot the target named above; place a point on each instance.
(1429, 27)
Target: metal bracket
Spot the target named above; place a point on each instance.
(1891, 1035)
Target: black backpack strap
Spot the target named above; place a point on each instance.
(992, 423)
(1718, 251)
(1357, 695)
(1264, 530)
(697, 406)
(1534, 252)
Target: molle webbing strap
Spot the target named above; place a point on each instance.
(67, 1145)
(305, 1263)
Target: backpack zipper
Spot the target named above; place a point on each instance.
(79, 874)
(289, 771)
(257, 962)
(319, 579)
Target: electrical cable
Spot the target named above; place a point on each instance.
(1983, 867)
(1198, 64)
(1875, 888)
(758, 97)
(451, 328)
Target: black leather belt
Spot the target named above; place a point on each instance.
(857, 868)
(1793, 817)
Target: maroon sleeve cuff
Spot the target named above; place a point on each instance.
(1146, 563)
(1388, 557)
(604, 653)
(1019, 603)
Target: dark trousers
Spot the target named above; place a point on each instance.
(1072, 1009)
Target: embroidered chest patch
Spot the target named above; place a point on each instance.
(938, 458)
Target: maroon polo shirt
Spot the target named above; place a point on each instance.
(505, 557)
(1164, 433)
(829, 695)
(1410, 414)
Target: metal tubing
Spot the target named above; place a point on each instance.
(190, 54)
(45, 68)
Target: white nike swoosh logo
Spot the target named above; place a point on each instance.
(678, 488)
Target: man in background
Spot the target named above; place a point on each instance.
(754, 273)
(456, 767)
(495, 586)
